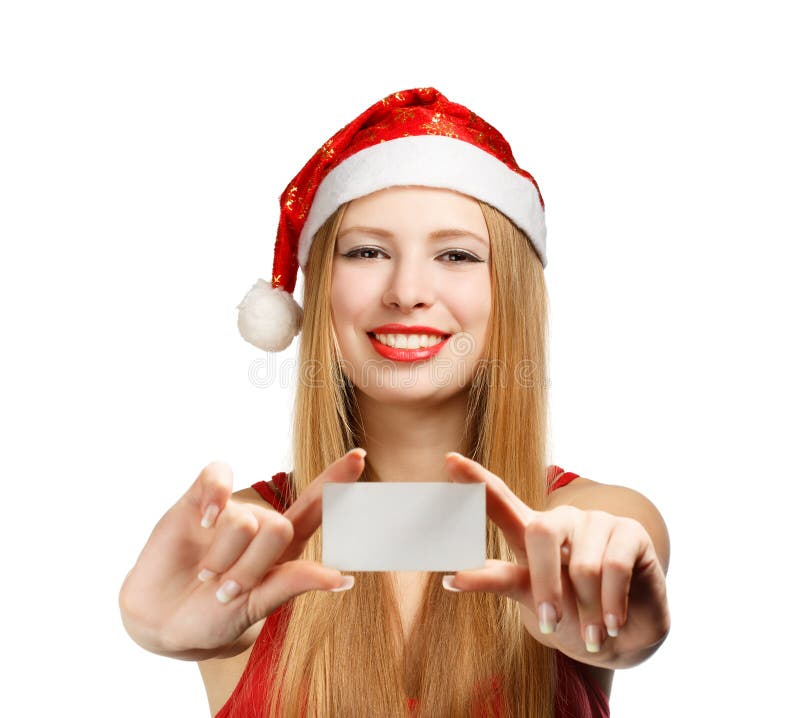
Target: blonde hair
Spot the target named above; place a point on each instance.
(342, 652)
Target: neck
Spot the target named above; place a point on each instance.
(407, 442)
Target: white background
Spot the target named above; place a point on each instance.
(143, 150)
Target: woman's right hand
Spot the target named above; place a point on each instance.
(167, 609)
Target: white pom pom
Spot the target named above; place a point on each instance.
(269, 317)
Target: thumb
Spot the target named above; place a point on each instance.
(288, 580)
(209, 493)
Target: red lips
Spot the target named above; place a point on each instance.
(407, 354)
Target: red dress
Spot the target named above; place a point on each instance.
(578, 694)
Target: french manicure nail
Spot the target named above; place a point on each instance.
(227, 591)
(347, 583)
(205, 574)
(612, 625)
(447, 582)
(209, 516)
(547, 617)
(593, 638)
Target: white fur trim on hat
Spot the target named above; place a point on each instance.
(432, 161)
(269, 317)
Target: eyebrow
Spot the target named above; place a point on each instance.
(438, 234)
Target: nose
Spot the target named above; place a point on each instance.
(409, 287)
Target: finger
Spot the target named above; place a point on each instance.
(502, 577)
(626, 544)
(503, 506)
(287, 580)
(590, 537)
(546, 533)
(209, 493)
(305, 513)
(248, 540)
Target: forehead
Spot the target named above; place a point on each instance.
(425, 202)
(414, 209)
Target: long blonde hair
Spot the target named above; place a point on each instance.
(341, 652)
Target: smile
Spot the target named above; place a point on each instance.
(407, 347)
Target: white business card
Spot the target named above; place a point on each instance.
(404, 526)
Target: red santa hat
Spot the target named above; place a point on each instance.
(413, 137)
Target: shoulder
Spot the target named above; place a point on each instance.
(562, 485)
(565, 493)
(250, 496)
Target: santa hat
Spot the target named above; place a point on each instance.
(413, 137)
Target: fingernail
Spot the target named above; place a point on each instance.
(447, 582)
(347, 583)
(227, 591)
(209, 516)
(205, 574)
(547, 617)
(358, 452)
(593, 638)
(612, 625)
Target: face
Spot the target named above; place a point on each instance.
(416, 257)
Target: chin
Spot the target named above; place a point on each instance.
(416, 395)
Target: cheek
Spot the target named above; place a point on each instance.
(471, 303)
(351, 295)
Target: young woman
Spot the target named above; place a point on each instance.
(423, 344)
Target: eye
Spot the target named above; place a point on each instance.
(358, 253)
(460, 253)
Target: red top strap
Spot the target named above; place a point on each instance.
(557, 477)
(277, 491)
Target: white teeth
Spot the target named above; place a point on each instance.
(408, 341)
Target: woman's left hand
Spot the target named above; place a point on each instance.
(599, 573)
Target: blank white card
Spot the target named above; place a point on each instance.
(403, 526)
